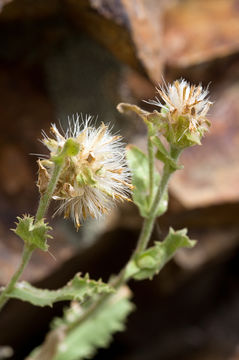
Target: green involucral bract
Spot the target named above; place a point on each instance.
(152, 260)
(79, 288)
(33, 234)
(71, 148)
(139, 166)
(177, 131)
(175, 128)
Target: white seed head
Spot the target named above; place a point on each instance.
(185, 103)
(91, 180)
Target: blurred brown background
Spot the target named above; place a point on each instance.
(62, 57)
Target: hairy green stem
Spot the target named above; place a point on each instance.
(149, 221)
(46, 197)
(151, 163)
(26, 255)
(28, 250)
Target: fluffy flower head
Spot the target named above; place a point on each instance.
(91, 180)
(184, 112)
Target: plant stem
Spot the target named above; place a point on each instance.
(26, 255)
(141, 245)
(151, 163)
(46, 197)
(28, 250)
(116, 283)
(149, 221)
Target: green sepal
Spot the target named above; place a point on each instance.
(70, 148)
(194, 138)
(79, 288)
(33, 234)
(96, 331)
(151, 261)
(163, 155)
(139, 166)
(178, 132)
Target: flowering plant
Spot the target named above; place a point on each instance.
(90, 179)
(86, 172)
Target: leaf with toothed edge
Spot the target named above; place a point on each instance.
(33, 234)
(79, 288)
(148, 263)
(96, 331)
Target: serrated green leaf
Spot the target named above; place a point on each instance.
(33, 234)
(163, 155)
(152, 260)
(94, 332)
(79, 288)
(139, 166)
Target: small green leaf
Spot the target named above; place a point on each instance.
(79, 288)
(96, 331)
(163, 155)
(146, 261)
(138, 163)
(163, 205)
(33, 234)
(152, 260)
(139, 166)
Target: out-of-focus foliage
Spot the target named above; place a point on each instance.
(82, 341)
(139, 165)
